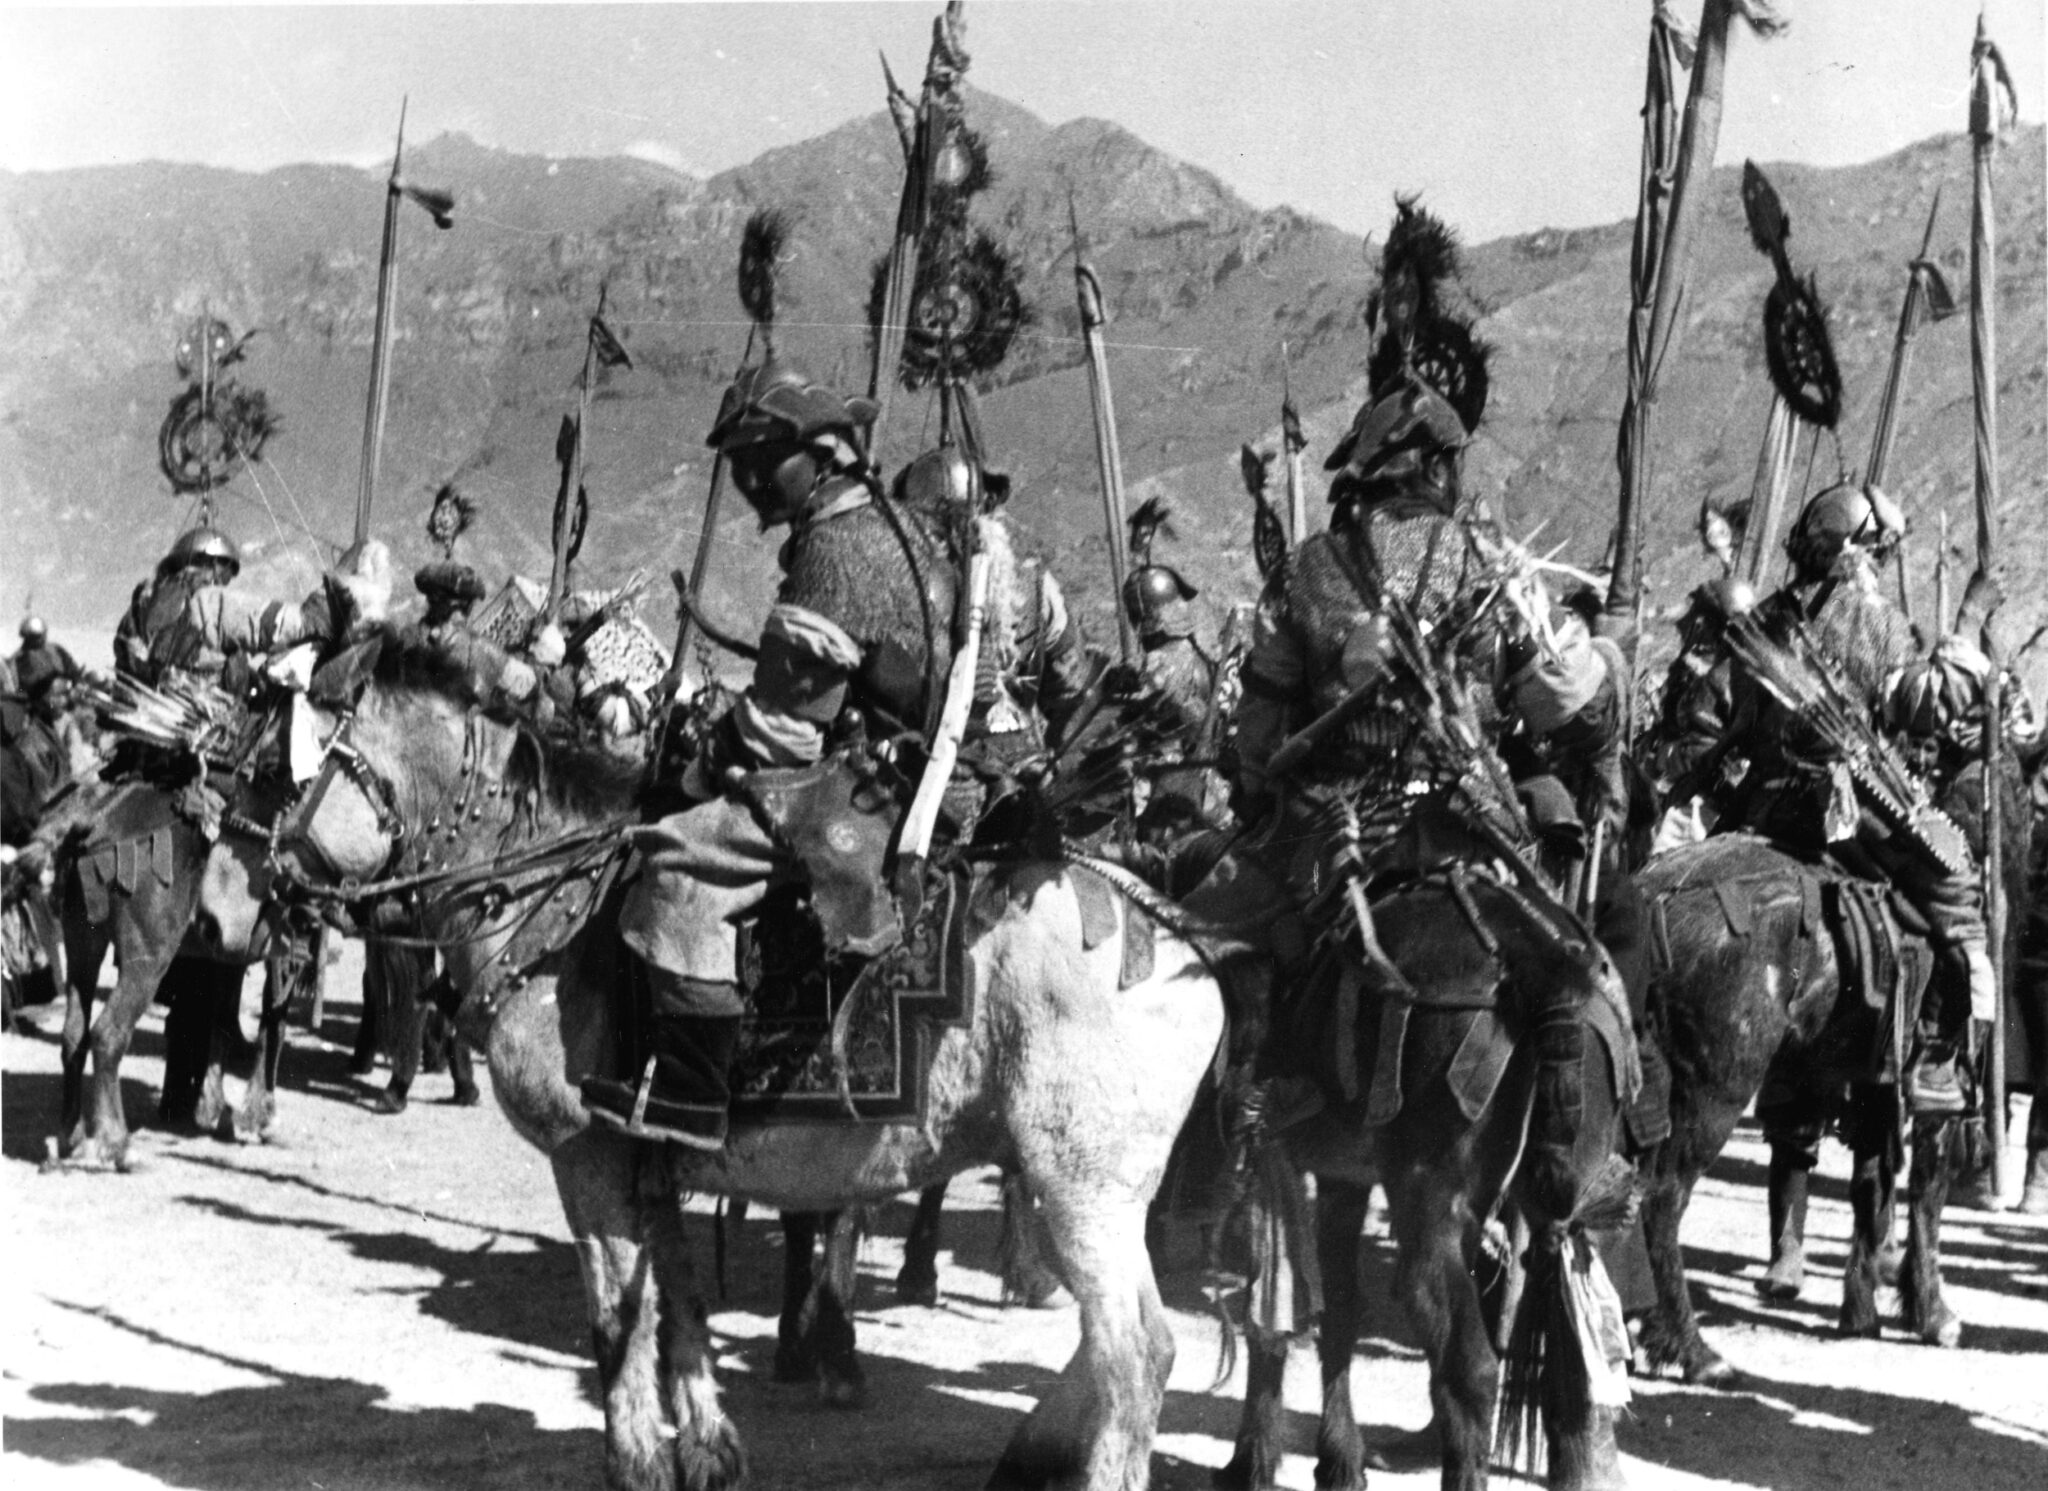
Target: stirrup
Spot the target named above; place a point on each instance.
(636, 1112)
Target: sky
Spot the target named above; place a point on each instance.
(1508, 115)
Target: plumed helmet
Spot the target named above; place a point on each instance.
(777, 401)
(942, 480)
(1549, 686)
(196, 544)
(34, 629)
(1155, 598)
(1392, 437)
(1941, 694)
(1845, 514)
(450, 581)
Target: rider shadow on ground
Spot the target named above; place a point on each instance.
(529, 1296)
(1800, 1434)
(292, 1431)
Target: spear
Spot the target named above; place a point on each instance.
(599, 347)
(1108, 459)
(1927, 299)
(923, 133)
(1292, 442)
(1666, 220)
(1988, 79)
(439, 205)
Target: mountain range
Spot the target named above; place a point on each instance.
(101, 269)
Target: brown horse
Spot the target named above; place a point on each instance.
(1753, 987)
(1502, 975)
(137, 894)
(1053, 1069)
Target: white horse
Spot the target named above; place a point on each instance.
(1053, 1070)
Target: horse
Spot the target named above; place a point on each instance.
(1053, 1069)
(1499, 975)
(1753, 986)
(129, 867)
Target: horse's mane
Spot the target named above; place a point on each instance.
(572, 773)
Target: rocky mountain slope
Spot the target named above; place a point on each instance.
(100, 269)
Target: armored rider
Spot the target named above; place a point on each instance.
(860, 629)
(1793, 793)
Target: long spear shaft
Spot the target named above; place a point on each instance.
(1767, 492)
(380, 345)
(558, 578)
(1659, 172)
(1297, 497)
(1984, 378)
(701, 564)
(1886, 431)
(1109, 459)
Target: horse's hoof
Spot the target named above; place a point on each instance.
(389, 1102)
(842, 1392)
(918, 1289)
(1856, 1327)
(1711, 1369)
(1785, 1277)
(1890, 1259)
(466, 1095)
(1944, 1330)
(1042, 1293)
(1245, 1472)
(712, 1459)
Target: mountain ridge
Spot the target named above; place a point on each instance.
(101, 268)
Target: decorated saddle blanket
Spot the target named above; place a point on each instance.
(836, 1038)
(131, 838)
(1878, 940)
(1358, 1024)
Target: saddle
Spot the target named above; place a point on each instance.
(1879, 940)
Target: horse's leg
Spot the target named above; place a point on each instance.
(800, 1229)
(1340, 1218)
(222, 1007)
(708, 1452)
(188, 1039)
(1255, 1461)
(85, 948)
(460, 1067)
(1094, 1427)
(1020, 1249)
(405, 973)
(917, 1282)
(841, 1382)
(253, 1120)
(1795, 1150)
(1936, 1143)
(1701, 1124)
(1431, 1220)
(1873, 1138)
(594, 1176)
(148, 926)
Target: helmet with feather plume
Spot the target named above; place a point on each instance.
(1155, 596)
(1427, 374)
(1942, 695)
(772, 400)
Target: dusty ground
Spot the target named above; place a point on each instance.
(386, 1303)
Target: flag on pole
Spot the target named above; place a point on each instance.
(611, 353)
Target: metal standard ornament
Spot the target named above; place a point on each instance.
(215, 423)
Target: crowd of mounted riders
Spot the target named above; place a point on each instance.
(1415, 694)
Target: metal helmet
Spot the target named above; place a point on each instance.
(196, 544)
(1942, 694)
(1844, 515)
(34, 630)
(1155, 598)
(942, 480)
(1393, 438)
(776, 401)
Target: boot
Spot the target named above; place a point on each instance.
(1786, 1274)
(1933, 1080)
(683, 1093)
(2034, 1199)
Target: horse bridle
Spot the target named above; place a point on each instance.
(339, 757)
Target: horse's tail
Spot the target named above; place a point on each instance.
(1568, 1348)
